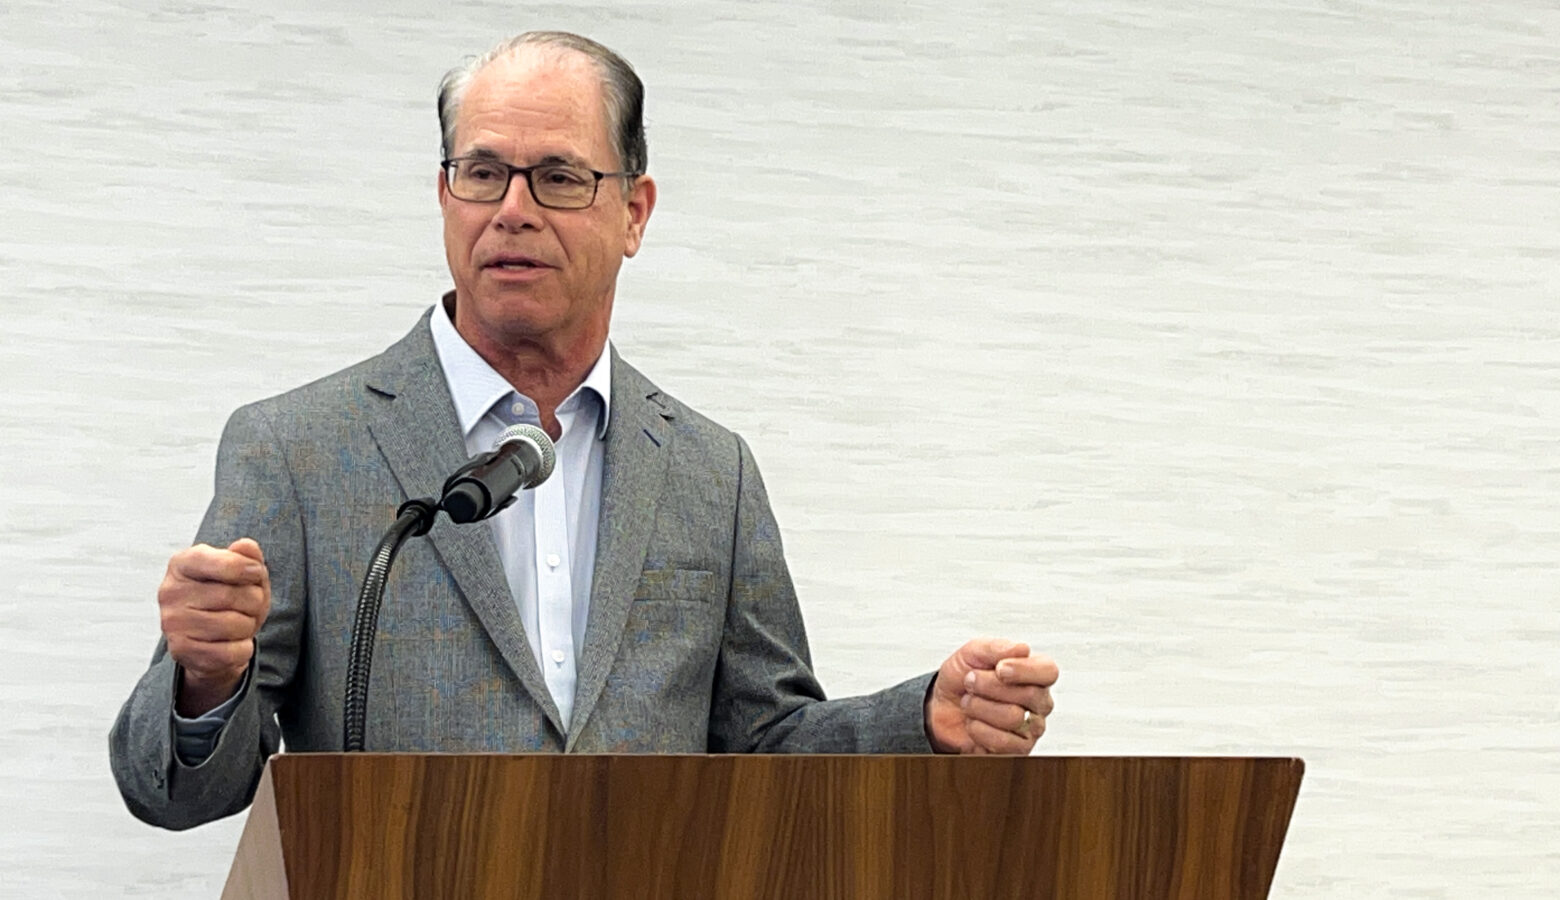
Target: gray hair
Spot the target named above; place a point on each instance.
(624, 92)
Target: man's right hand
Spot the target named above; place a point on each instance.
(213, 602)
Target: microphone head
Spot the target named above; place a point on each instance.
(536, 438)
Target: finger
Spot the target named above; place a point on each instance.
(1006, 716)
(986, 684)
(209, 625)
(985, 653)
(249, 599)
(1009, 716)
(205, 563)
(1036, 669)
(210, 657)
(998, 740)
(1044, 705)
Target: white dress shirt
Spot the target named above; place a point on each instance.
(547, 538)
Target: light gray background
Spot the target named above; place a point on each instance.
(1209, 346)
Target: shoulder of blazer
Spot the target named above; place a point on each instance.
(687, 423)
(327, 404)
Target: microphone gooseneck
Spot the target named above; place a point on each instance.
(413, 519)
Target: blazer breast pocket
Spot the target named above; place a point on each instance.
(690, 585)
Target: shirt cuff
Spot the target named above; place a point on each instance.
(195, 739)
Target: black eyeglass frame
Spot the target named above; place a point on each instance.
(448, 164)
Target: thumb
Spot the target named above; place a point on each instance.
(248, 547)
(985, 653)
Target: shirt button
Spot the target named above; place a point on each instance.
(559, 656)
(517, 408)
(553, 560)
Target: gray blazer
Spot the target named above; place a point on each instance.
(694, 643)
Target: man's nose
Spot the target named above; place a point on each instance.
(518, 210)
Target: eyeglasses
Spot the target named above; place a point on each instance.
(553, 185)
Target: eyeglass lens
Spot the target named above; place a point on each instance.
(557, 186)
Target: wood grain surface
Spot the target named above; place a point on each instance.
(394, 826)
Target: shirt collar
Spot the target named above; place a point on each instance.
(475, 386)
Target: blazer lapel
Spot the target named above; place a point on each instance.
(419, 433)
(633, 470)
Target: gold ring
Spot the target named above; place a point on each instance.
(1023, 727)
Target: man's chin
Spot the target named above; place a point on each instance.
(507, 316)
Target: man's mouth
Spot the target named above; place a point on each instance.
(516, 263)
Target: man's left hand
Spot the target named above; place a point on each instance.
(979, 701)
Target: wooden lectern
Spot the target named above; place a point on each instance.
(393, 826)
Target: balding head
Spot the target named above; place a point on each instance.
(623, 92)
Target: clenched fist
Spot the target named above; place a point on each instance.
(213, 602)
(990, 696)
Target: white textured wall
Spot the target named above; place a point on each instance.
(1211, 347)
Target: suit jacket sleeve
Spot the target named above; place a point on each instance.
(766, 697)
(254, 497)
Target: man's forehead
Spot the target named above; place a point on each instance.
(553, 91)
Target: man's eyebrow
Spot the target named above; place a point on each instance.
(551, 159)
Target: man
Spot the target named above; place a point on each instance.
(637, 601)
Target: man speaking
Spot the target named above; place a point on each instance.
(636, 601)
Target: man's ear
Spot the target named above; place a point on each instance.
(641, 203)
(444, 189)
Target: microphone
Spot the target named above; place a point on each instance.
(521, 459)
